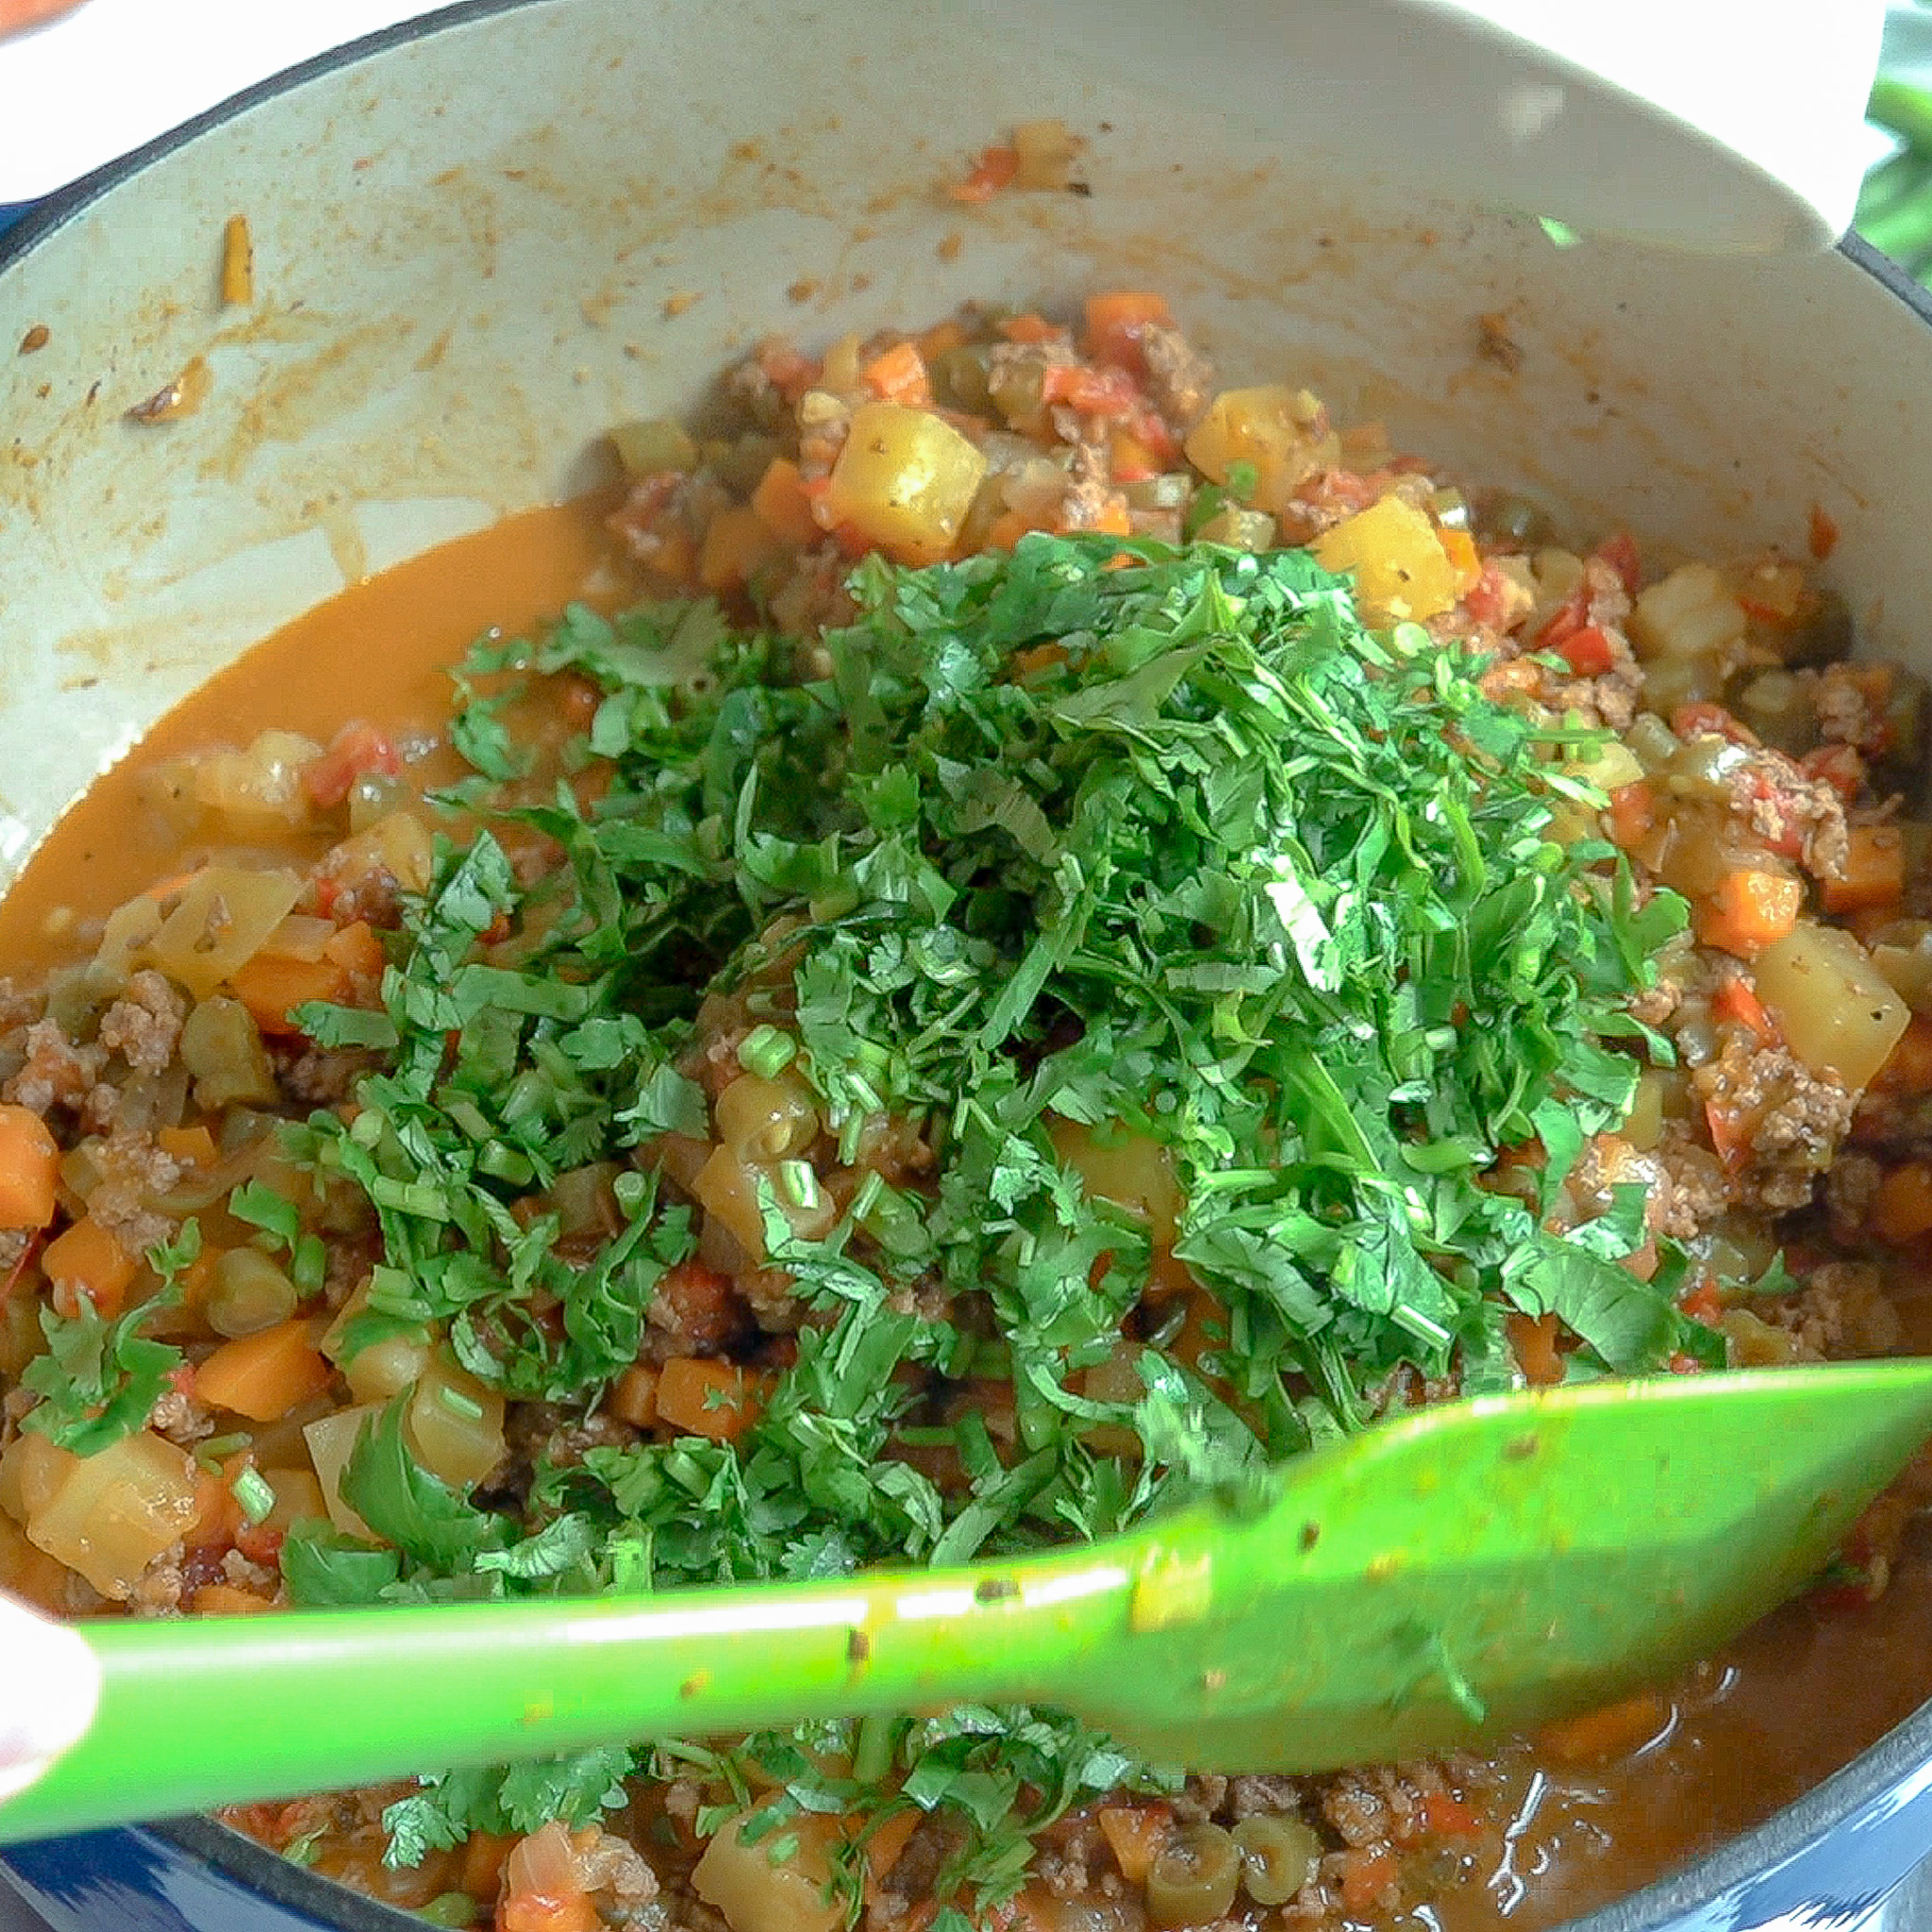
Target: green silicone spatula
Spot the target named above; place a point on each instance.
(1455, 1572)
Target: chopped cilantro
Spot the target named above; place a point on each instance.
(1219, 872)
(100, 1379)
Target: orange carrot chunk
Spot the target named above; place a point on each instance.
(709, 1398)
(1902, 1209)
(88, 1261)
(1751, 908)
(271, 988)
(1135, 1834)
(783, 507)
(1875, 873)
(30, 1164)
(265, 1374)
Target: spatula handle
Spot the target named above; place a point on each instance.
(230, 1710)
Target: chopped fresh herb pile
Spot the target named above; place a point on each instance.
(1199, 951)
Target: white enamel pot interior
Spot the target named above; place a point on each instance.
(474, 246)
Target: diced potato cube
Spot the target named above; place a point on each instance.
(755, 1895)
(117, 1510)
(1691, 614)
(223, 918)
(1282, 434)
(904, 481)
(331, 1442)
(454, 1425)
(1831, 1002)
(31, 1472)
(1401, 573)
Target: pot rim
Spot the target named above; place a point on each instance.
(1902, 1754)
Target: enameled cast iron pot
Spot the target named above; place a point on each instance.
(469, 232)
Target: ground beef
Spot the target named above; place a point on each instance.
(1068, 1853)
(544, 1432)
(318, 1078)
(55, 1071)
(1683, 1188)
(613, 1867)
(143, 1025)
(17, 1007)
(1842, 1310)
(1180, 378)
(1263, 1796)
(133, 1171)
(1200, 1798)
(1850, 1188)
(695, 1310)
(180, 1418)
(1792, 1120)
(908, 1884)
(1694, 1193)
(158, 1589)
(1089, 489)
(1803, 817)
(1850, 701)
(14, 1242)
(771, 1294)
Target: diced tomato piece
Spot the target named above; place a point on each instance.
(1633, 811)
(1565, 619)
(993, 170)
(1488, 601)
(1092, 391)
(1735, 1000)
(1588, 651)
(1620, 552)
(1449, 1817)
(357, 750)
(1705, 719)
(1837, 765)
(1704, 1304)
(1116, 323)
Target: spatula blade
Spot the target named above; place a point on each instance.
(1465, 1571)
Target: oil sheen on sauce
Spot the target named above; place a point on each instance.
(1791, 1702)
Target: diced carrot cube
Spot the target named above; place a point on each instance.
(195, 1145)
(633, 1396)
(1902, 1211)
(227, 1600)
(357, 950)
(898, 376)
(1613, 1730)
(1116, 322)
(1875, 873)
(29, 1166)
(738, 544)
(89, 1260)
(1135, 1834)
(265, 1374)
(709, 1398)
(1750, 910)
(783, 507)
(271, 988)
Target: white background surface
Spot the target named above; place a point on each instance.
(114, 73)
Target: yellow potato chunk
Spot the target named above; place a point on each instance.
(331, 1440)
(112, 1513)
(1130, 1170)
(1401, 573)
(905, 480)
(755, 1895)
(1282, 434)
(1831, 1002)
(454, 1424)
